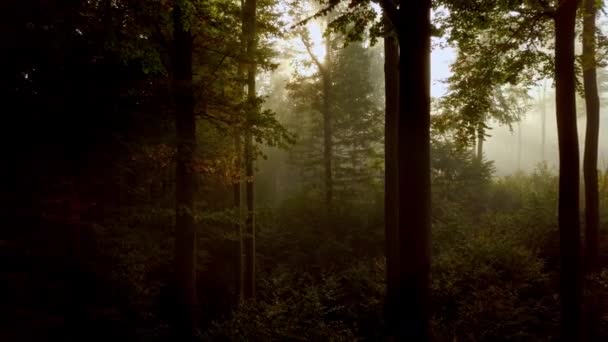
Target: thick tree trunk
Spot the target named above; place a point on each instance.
(592, 103)
(413, 27)
(249, 26)
(185, 233)
(327, 129)
(391, 181)
(568, 207)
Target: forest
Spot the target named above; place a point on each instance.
(304, 170)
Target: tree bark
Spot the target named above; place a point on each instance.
(185, 232)
(391, 181)
(249, 26)
(592, 104)
(568, 206)
(414, 32)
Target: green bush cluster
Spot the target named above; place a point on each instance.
(494, 271)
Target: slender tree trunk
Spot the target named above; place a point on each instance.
(391, 181)
(568, 207)
(237, 187)
(413, 27)
(519, 146)
(327, 129)
(543, 122)
(249, 26)
(481, 136)
(592, 103)
(238, 227)
(185, 233)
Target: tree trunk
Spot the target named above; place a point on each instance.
(543, 122)
(249, 26)
(238, 227)
(391, 181)
(568, 207)
(327, 129)
(185, 233)
(592, 103)
(480, 138)
(413, 27)
(519, 146)
(238, 185)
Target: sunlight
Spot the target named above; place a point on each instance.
(316, 37)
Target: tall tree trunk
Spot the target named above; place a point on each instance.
(414, 31)
(592, 103)
(327, 129)
(238, 226)
(249, 26)
(568, 207)
(185, 233)
(391, 181)
(238, 185)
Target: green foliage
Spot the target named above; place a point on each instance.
(356, 120)
(292, 311)
(487, 286)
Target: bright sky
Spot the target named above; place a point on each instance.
(440, 69)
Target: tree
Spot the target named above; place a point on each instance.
(592, 104)
(325, 71)
(568, 203)
(543, 121)
(249, 34)
(391, 180)
(185, 232)
(355, 120)
(357, 126)
(413, 28)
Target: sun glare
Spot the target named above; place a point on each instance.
(316, 38)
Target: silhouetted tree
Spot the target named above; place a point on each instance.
(568, 206)
(249, 29)
(413, 27)
(185, 231)
(592, 104)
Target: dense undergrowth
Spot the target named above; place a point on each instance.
(494, 270)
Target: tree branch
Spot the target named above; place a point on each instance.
(308, 47)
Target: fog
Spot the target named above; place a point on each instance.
(520, 148)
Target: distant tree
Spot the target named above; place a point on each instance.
(357, 125)
(325, 71)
